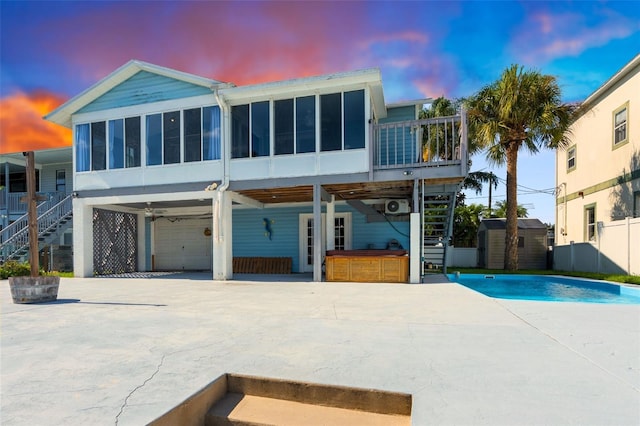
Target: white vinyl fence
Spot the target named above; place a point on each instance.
(615, 251)
(462, 257)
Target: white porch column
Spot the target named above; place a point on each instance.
(317, 232)
(82, 239)
(414, 248)
(222, 237)
(142, 246)
(331, 229)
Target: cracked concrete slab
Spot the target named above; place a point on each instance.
(124, 351)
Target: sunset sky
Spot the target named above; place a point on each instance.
(51, 51)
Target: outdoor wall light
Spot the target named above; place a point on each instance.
(407, 173)
(74, 194)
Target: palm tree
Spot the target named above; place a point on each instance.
(501, 210)
(522, 109)
(474, 180)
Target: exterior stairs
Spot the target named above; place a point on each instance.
(437, 229)
(54, 218)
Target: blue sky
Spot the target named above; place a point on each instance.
(51, 51)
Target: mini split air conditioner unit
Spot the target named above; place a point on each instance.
(396, 207)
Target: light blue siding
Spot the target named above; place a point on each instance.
(142, 88)
(376, 234)
(397, 145)
(403, 113)
(249, 237)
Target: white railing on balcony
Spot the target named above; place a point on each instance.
(429, 142)
(15, 206)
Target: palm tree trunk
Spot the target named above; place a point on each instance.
(511, 234)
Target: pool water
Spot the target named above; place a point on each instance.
(548, 288)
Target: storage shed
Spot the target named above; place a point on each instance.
(532, 244)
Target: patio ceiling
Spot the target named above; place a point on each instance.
(402, 189)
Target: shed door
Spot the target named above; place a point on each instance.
(181, 245)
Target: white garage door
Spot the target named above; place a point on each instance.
(180, 245)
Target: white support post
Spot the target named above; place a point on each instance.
(317, 233)
(82, 239)
(222, 237)
(331, 229)
(142, 246)
(414, 248)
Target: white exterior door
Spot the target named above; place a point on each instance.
(342, 237)
(181, 245)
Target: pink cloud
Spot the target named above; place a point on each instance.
(544, 36)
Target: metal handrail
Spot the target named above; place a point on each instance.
(428, 142)
(47, 221)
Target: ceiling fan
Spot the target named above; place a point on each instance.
(151, 212)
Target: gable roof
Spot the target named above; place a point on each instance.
(62, 114)
(369, 76)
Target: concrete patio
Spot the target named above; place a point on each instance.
(126, 350)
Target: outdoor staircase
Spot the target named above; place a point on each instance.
(54, 218)
(437, 228)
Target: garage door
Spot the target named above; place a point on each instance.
(180, 245)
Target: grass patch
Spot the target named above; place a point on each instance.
(626, 279)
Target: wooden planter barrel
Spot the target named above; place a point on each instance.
(34, 289)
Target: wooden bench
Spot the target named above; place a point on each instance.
(262, 265)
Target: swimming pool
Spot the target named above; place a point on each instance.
(548, 288)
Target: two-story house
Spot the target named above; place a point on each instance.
(598, 178)
(173, 171)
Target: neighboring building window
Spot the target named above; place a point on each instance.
(520, 242)
(61, 181)
(571, 158)
(620, 127)
(636, 204)
(590, 222)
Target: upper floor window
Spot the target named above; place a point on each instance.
(170, 137)
(341, 117)
(620, 125)
(571, 158)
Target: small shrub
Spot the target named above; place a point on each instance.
(14, 269)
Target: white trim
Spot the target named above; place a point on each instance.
(303, 219)
(146, 109)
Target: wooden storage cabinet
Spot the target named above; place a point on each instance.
(364, 267)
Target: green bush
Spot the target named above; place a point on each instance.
(12, 268)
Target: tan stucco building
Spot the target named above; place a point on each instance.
(598, 175)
